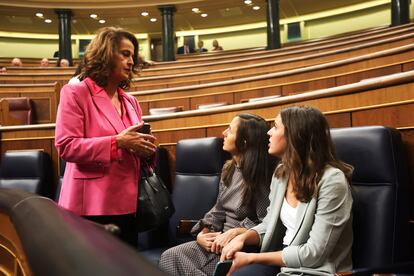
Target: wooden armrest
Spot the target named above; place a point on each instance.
(184, 227)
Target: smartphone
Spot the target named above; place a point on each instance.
(222, 268)
(146, 128)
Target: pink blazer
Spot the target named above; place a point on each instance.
(86, 121)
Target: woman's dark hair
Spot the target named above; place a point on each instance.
(309, 148)
(99, 55)
(256, 164)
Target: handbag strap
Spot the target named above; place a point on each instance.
(146, 169)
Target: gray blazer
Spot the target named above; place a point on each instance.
(322, 241)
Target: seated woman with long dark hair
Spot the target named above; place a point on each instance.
(241, 203)
(308, 227)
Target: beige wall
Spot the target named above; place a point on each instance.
(347, 22)
(28, 47)
(40, 48)
(144, 48)
(236, 40)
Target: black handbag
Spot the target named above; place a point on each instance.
(154, 201)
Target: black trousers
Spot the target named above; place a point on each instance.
(126, 224)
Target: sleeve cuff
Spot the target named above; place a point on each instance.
(290, 256)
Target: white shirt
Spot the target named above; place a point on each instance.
(74, 80)
(288, 218)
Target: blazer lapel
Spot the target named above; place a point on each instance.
(132, 113)
(269, 240)
(300, 215)
(104, 104)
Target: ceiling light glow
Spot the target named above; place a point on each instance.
(204, 15)
(153, 19)
(248, 2)
(195, 9)
(48, 21)
(39, 14)
(102, 21)
(94, 16)
(256, 8)
(144, 13)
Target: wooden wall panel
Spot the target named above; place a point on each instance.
(173, 136)
(367, 74)
(394, 116)
(339, 119)
(408, 66)
(303, 86)
(144, 107)
(210, 99)
(216, 131)
(184, 102)
(245, 95)
(42, 110)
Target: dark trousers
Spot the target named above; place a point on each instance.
(257, 269)
(126, 224)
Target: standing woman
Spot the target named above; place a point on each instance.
(241, 202)
(308, 227)
(96, 133)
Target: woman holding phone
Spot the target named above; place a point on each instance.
(308, 227)
(97, 134)
(241, 202)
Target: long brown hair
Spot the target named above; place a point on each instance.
(256, 164)
(100, 53)
(309, 148)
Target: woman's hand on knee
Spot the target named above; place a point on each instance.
(206, 240)
(223, 239)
